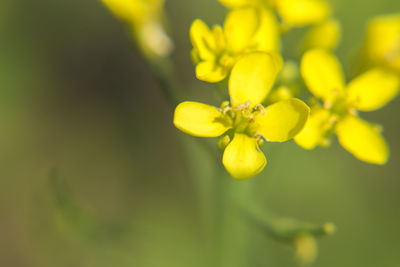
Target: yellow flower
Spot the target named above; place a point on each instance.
(245, 30)
(306, 249)
(293, 12)
(302, 12)
(288, 81)
(382, 43)
(145, 19)
(245, 121)
(371, 90)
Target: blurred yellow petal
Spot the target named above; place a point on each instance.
(242, 158)
(219, 37)
(281, 93)
(303, 12)
(194, 54)
(325, 35)
(267, 37)
(362, 139)
(126, 10)
(210, 72)
(383, 41)
(202, 40)
(314, 131)
(283, 120)
(236, 3)
(154, 40)
(252, 77)
(306, 249)
(373, 89)
(200, 120)
(322, 73)
(239, 27)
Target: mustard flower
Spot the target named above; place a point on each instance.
(369, 91)
(245, 30)
(382, 44)
(244, 121)
(145, 18)
(292, 12)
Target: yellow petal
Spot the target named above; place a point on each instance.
(242, 158)
(303, 12)
(202, 40)
(200, 120)
(283, 120)
(252, 77)
(267, 36)
(210, 72)
(219, 37)
(239, 27)
(322, 73)
(281, 93)
(382, 40)
(362, 139)
(373, 89)
(127, 10)
(325, 35)
(314, 131)
(236, 3)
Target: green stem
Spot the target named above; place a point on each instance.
(163, 72)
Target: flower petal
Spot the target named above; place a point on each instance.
(303, 12)
(382, 44)
(210, 72)
(283, 120)
(200, 120)
(314, 131)
(373, 89)
(252, 77)
(235, 3)
(202, 39)
(242, 158)
(362, 139)
(322, 73)
(267, 37)
(239, 27)
(325, 35)
(128, 11)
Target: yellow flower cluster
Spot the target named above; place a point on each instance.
(245, 52)
(244, 122)
(369, 91)
(245, 29)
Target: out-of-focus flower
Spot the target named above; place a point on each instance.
(369, 91)
(146, 19)
(325, 35)
(243, 122)
(288, 81)
(245, 30)
(300, 13)
(306, 248)
(295, 13)
(382, 44)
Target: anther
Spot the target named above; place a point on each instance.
(260, 108)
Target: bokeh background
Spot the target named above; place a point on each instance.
(93, 173)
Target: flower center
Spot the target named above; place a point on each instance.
(243, 117)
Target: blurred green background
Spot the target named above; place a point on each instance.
(93, 173)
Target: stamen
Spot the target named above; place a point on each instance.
(243, 106)
(328, 104)
(260, 108)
